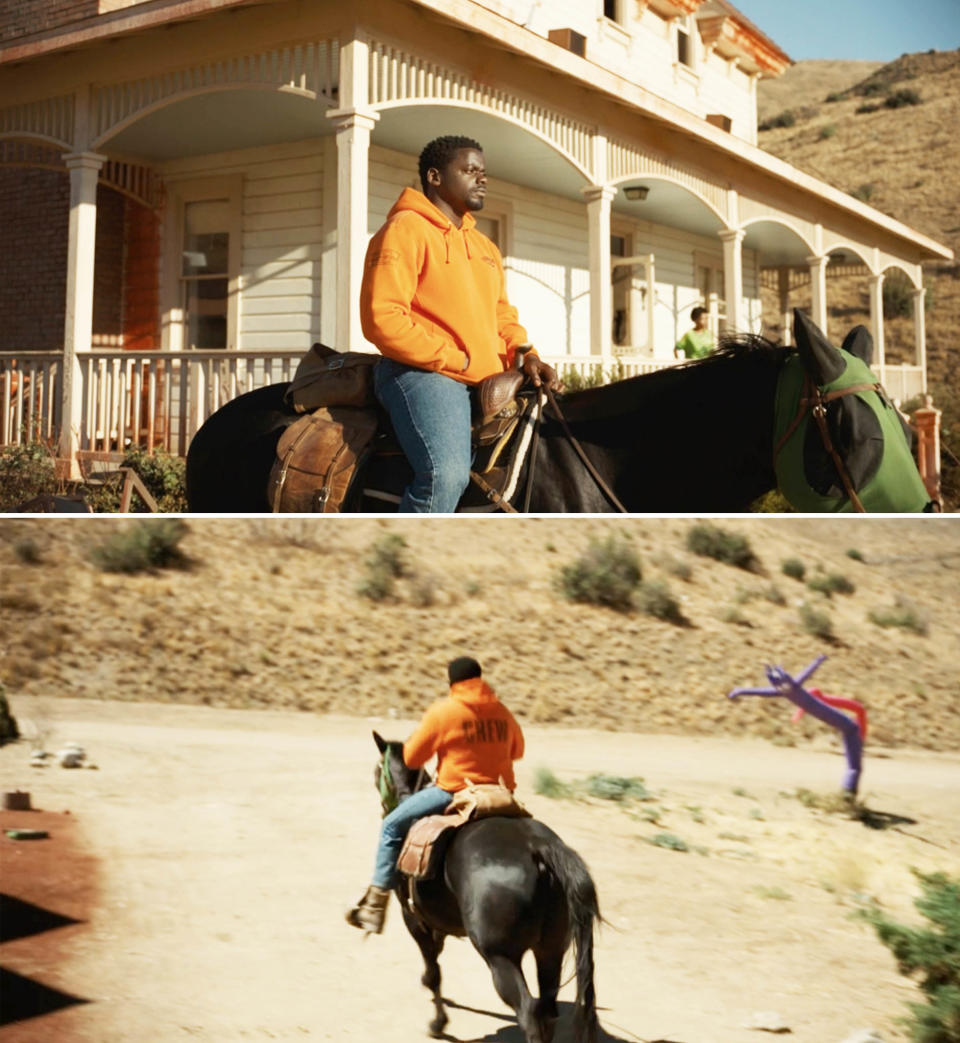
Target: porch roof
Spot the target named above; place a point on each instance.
(732, 159)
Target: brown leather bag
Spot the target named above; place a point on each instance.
(316, 459)
(325, 377)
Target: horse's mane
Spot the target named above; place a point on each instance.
(734, 353)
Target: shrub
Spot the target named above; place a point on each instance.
(389, 555)
(897, 298)
(709, 541)
(163, 474)
(828, 131)
(794, 568)
(9, 730)
(605, 574)
(27, 552)
(574, 380)
(787, 118)
(816, 622)
(616, 787)
(143, 547)
(902, 97)
(831, 583)
(771, 502)
(931, 952)
(775, 595)
(548, 785)
(855, 554)
(903, 614)
(670, 841)
(655, 599)
(863, 192)
(861, 109)
(26, 471)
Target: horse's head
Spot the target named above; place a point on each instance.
(393, 779)
(839, 442)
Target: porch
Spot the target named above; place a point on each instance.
(159, 399)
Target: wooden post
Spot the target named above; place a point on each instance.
(926, 419)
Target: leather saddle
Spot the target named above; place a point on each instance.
(426, 843)
(346, 457)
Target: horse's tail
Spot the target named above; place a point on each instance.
(571, 872)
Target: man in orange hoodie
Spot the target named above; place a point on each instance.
(476, 739)
(433, 301)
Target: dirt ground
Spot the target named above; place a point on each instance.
(208, 859)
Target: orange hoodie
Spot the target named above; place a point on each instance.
(474, 736)
(433, 293)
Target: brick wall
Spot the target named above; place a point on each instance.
(25, 17)
(34, 217)
(34, 211)
(141, 274)
(108, 269)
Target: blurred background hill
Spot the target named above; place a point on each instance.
(297, 614)
(885, 134)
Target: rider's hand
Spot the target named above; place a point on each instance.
(540, 373)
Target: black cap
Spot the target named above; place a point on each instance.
(462, 669)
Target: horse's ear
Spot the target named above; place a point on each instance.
(380, 741)
(859, 342)
(820, 358)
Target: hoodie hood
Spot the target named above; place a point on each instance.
(473, 691)
(413, 199)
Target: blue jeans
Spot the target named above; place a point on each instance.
(430, 413)
(394, 829)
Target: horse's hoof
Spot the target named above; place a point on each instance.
(437, 1026)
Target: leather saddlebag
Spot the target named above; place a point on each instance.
(325, 377)
(316, 459)
(479, 800)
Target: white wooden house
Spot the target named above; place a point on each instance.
(187, 188)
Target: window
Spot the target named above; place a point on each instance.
(491, 228)
(201, 273)
(610, 9)
(684, 56)
(205, 273)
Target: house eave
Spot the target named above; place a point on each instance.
(517, 38)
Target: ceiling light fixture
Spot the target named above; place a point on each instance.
(637, 192)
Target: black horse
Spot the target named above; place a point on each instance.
(699, 437)
(510, 885)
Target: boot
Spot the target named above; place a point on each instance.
(368, 914)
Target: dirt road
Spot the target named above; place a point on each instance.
(213, 853)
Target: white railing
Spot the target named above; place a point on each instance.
(160, 399)
(148, 398)
(903, 383)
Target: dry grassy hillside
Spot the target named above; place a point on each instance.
(901, 161)
(808, 83)
(269, 615)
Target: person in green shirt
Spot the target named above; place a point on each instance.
(698, 342)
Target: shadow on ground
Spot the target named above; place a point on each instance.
(510, 1032)
(23, 998)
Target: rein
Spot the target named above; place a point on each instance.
(578, 448)
(816, 401)
(388, 789)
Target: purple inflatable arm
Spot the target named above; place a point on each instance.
(782, 684)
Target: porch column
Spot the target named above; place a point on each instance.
(733, 278)
(354, 121)
(876, 324)
(353, 147)
(598, 199)
(920, 333)
(786, 316)
(818, 290)
(84, 169)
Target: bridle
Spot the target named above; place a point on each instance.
(388, 788)
(812, 398)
